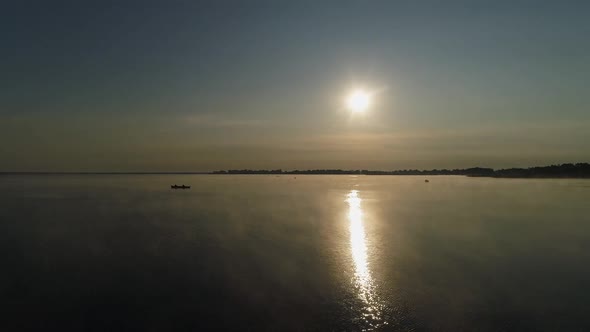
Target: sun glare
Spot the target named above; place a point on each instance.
(358, 101)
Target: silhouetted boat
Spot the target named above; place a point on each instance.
(426, 181)
(180, 187)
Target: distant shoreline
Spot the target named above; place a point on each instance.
(563, 171)
(103, 173)
(577, 171)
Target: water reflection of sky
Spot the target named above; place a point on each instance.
(363, 281)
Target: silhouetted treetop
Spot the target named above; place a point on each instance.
(579, 170)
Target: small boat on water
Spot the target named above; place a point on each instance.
(180, 187)
(426, 181)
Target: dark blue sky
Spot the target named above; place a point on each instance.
(191, 85)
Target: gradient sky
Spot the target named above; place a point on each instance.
(205, 85)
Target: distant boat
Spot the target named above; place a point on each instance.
(180, 187)
(426, 181)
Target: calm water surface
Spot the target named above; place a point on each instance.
(286, 253)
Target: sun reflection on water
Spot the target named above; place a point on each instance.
(363, 281)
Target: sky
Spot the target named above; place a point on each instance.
(207, 85)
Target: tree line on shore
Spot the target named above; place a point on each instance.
(578, 170)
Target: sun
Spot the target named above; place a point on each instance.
(358, 101)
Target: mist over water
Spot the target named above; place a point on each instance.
(320, 253)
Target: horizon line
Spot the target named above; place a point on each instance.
(219, 172)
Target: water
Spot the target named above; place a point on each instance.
(286, 253)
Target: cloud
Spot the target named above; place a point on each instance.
(213, 120)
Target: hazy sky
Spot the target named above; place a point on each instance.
(204, 85)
